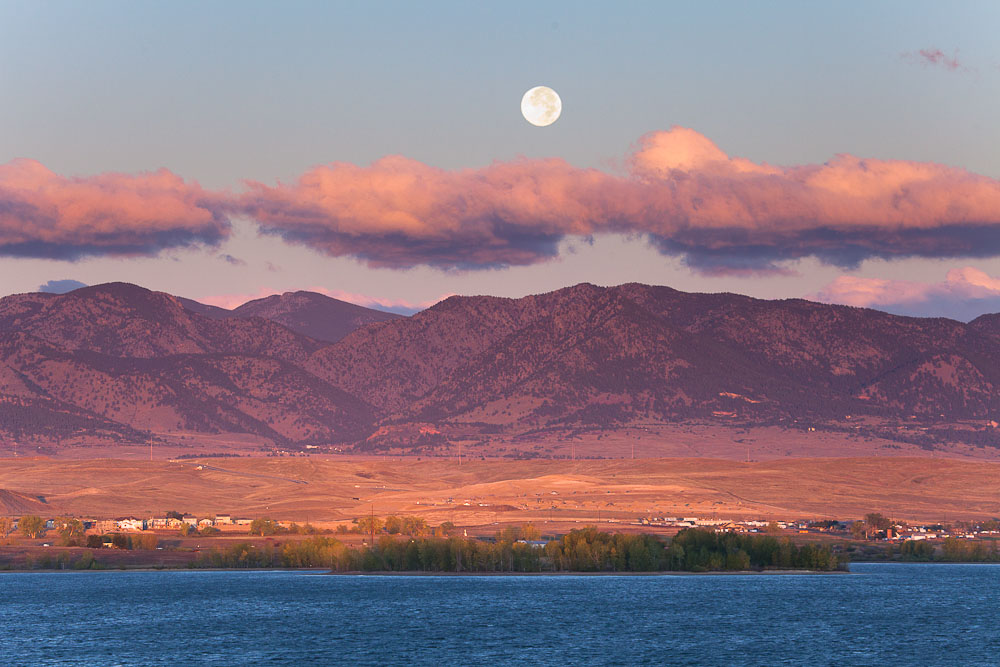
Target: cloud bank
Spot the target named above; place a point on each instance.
(678, 190)
(964, 294)
(722, 214)
(43, 214)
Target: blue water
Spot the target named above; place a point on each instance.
(885, 614)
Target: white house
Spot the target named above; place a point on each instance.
(130, 524)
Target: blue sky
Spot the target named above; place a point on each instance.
(221, 93)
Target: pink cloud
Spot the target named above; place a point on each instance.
(936, 58)
(400, 212)
(43, 214)
(723, 214)
(682, 192)
(965, 292)
(230, 301)
(380, 302)
(868, 292)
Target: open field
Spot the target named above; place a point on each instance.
(691, 439)
(326, 491)
(702, 440)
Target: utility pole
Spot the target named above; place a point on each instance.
(372, 527)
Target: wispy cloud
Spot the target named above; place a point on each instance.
(964, 294)
(229, 259)
(393, 305)
(722, 214)
(61, 286)
(230, 301)
(934, 58)
(43, 214)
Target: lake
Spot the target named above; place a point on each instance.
(883, 614)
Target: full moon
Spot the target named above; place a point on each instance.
(541, 106)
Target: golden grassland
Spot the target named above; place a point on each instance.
(481, 492)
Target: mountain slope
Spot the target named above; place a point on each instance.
(604, 357)
(114, 362)
(124, 320)
(308, 313)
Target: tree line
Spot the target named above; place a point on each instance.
(584, 550)
(953, 550)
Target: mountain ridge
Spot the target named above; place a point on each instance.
(114, 361)
(312, 314)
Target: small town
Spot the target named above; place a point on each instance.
(109, 533)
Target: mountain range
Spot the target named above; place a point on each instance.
(117, 363)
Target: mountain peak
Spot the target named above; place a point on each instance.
(312, 314)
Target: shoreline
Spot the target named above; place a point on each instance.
(417, 573)
(381, 573)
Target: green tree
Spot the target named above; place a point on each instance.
(530, 531)
(370, 524)
(6, 527)
(187, 529)
(263, 527)
(875, 522)
(306, 529)
(414, 526)
(86, 561)
(71, 532)
(31, 526)
(145, 541)
(586, 549)
(916, 550)
(858, 529)
(393, 524)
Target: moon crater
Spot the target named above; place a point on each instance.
(541, 106)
